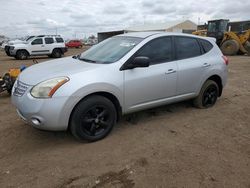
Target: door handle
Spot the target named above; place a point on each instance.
(206, 65)
(170, 71)
(42, 45)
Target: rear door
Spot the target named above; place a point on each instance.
(49, 44)
(149, 85)
(192, 64)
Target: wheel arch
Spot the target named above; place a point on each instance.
(23, 50)
(105, 94)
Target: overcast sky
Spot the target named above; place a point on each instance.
(84, 17)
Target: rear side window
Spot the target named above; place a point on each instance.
(49, 40)
(158, 50)
(206, 46)
(187, 47)
(59, 40)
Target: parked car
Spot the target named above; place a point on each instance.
(74, 44)
(88, 93)
(50, 45)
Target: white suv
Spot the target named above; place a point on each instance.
(51, 45)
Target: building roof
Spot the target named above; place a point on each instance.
(156, 26)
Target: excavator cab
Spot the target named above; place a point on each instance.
(217, 28)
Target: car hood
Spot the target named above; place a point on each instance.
(55, 68)
(11, 42)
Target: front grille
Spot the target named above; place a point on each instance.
(7, 48)
(20, 88)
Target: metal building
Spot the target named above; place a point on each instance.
(186, 26)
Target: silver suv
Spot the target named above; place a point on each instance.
(88, 93)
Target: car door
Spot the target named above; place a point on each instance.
(191, 64)
(147, 86)
(37, 46)
(49, 44)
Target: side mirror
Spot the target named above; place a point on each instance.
(141, 61)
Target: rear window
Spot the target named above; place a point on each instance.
(59, 40)
(187, 47)
(206, 46)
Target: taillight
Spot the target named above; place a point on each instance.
(226, 61)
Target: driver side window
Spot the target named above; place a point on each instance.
(157, 50)
(37, 42)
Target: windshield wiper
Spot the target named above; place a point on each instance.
(76, 56)
(87, 60)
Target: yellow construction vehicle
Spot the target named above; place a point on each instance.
(9, 78)
(230, 43)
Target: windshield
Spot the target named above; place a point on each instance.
(110, 50)
(212, 27)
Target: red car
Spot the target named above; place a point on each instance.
(74, 44)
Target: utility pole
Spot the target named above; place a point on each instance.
(199, 20)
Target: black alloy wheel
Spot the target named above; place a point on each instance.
(96, 120)
(93, 118)
(210, 96)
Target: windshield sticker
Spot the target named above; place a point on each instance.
(127, 44)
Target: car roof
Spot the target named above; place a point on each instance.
(140, 34)
(148, 34)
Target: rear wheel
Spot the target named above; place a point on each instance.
(247, 47)
(208, 95)
(93, 118)
(56, 53)
(230, 47)
(21, 55)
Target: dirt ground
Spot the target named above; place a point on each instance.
(171, 146)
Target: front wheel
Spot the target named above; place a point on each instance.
(21, 55)
(93, 118)
(208, 95)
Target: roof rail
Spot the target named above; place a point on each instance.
(48, 36)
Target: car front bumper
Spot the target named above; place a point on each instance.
(46, 114)
(9, 51)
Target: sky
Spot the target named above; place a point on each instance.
(80, 18)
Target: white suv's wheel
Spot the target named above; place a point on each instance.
(56, 53)
(22, 54)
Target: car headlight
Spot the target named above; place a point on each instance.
(47, 88)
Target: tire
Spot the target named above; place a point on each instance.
(22, 55)
(230, 47)
(247, 47)
(56, 53)
(93, 118)
(208, 95)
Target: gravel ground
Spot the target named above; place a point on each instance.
(171, 146)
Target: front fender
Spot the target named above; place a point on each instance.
(81, 93)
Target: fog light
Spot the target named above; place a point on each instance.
(36, 121)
